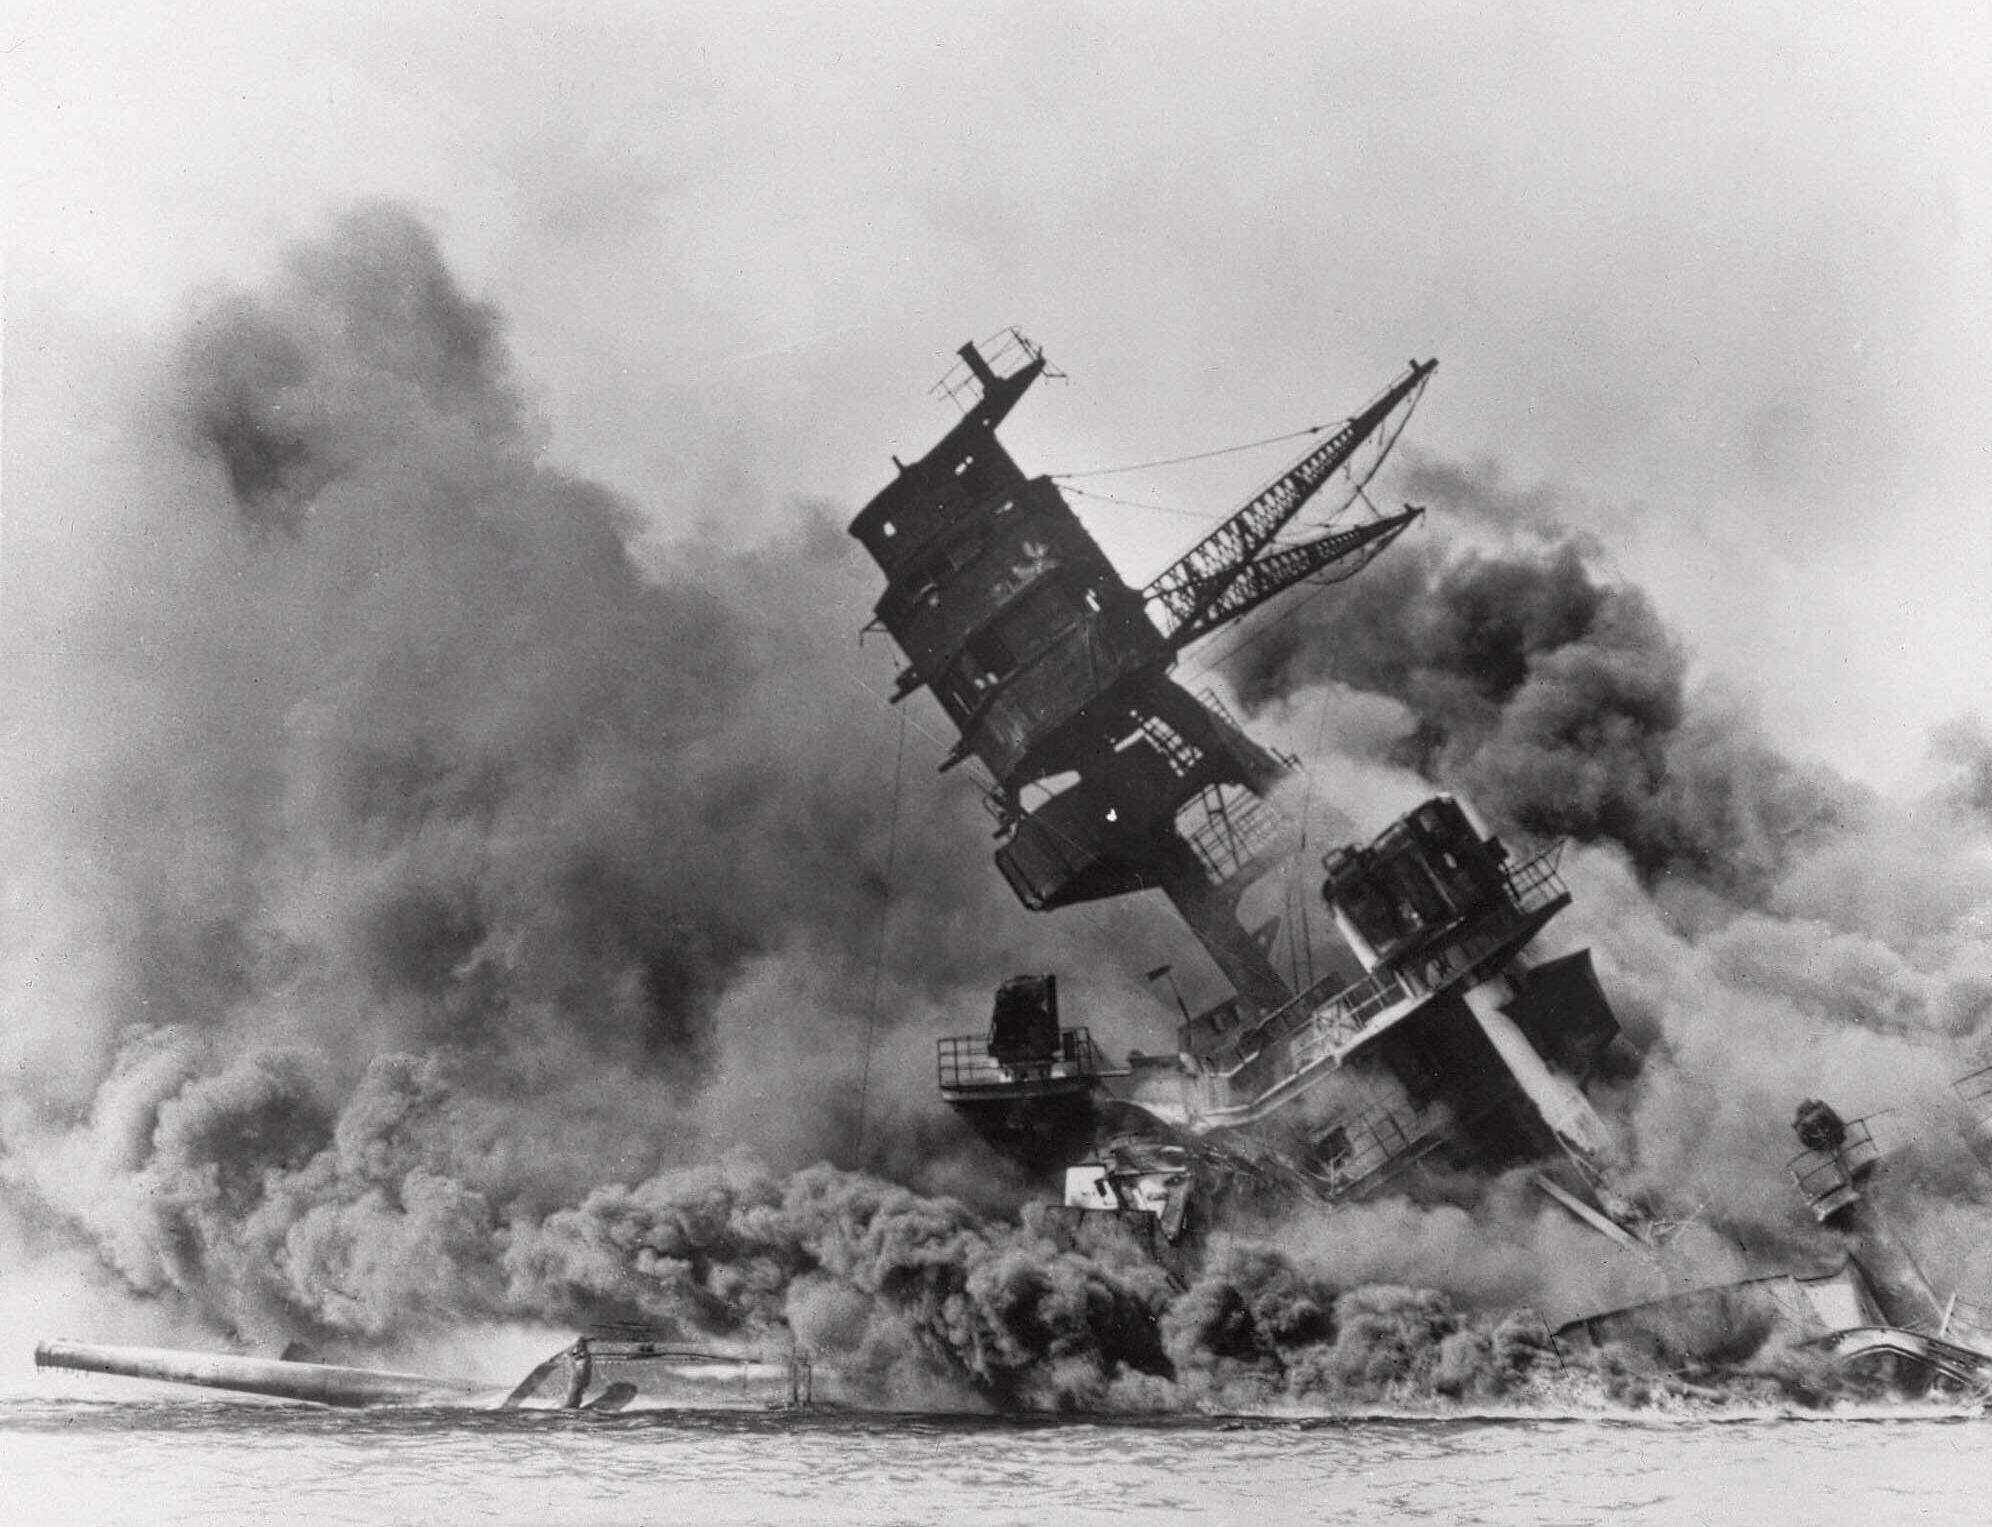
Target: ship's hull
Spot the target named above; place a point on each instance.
(599, 1376)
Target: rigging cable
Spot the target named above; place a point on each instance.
(878, 955)
(1290, 537)
(1175, 461)
(1206, 515)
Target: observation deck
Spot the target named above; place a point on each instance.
(1831, 1177)
(969, 1071)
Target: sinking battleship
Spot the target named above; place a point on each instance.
(1451, 1047)
(1447, 1048)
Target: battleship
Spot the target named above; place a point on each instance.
(1446, 1048)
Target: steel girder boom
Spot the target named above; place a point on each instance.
(1198, 583)
(1347, 552)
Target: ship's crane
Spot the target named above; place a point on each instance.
(1225, 575)
(1056, 672)
(1341, 553)
(1108, 778)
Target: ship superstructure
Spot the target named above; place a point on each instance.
(1450, 1041)
(1108, 777)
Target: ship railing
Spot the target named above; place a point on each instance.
(1466, 956)
(1974, 1088)
(964, 1063)
(1322, 1023)
(1238, 829)
(1535, 883)
(1006, 352)
(1378, 1140)
(1176, 750)
(1532, 886)
(1469, 949)
(1208, 697)
(1324, 1005)
(1350, 1012)
(1827, 1178)
(1309, 1030)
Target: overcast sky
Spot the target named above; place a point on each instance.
(1717, 279)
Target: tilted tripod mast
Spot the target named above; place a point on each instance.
(1056, 674)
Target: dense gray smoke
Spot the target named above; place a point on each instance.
(1769, 931)
(1966, 748)
(440, 895)
(1558, 702)
(403, 852)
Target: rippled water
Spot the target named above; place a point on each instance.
(203, 1462)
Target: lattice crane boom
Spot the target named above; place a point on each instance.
(1347, 552)
(1189, 593)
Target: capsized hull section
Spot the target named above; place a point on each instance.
(594, 1374)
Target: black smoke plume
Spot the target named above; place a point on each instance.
(1555, 699)
(405, 823)
(442, 894)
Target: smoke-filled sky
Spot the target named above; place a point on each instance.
(1718, 278)
(450, 811)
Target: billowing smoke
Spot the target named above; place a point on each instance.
(1553, 698)
(413, 836)
(1767, 930)
(445, 893)
(1965, 747)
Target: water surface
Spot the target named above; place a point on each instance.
(88, 1461)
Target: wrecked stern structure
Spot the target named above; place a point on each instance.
(1107, 777)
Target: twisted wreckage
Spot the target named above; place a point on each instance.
(1446, 1050)
(1442, 1049)
(1449, 1048)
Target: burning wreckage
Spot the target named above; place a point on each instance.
(1109, 778)
(1451, 1052)
(1444, 1050)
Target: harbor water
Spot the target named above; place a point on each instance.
(68, 1460)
